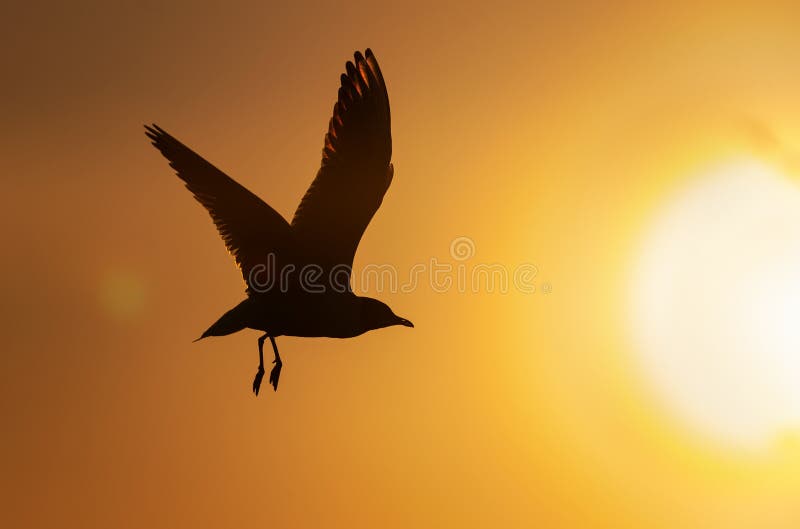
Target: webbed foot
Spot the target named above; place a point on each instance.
(257, 380)
(275, 374)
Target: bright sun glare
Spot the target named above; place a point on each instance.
(715, 303)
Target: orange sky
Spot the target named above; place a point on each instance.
(545, 134)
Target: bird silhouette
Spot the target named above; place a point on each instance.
(298, 275)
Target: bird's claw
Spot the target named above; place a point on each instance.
(257, 380)
(275, 374)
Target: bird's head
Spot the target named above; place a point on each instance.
(376, 314)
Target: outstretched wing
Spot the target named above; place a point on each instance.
(250, 228)
(355, 172)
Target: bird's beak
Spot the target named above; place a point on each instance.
(404, 322)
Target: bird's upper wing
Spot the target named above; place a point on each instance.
(250, 228)
(355, 171)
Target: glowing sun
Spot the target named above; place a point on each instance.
(715, 303)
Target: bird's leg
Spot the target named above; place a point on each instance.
(275, 374)
(260, 372)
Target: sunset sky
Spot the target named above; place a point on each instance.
(550, 136)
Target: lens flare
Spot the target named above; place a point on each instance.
(122, 295)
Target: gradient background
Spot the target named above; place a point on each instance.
(546, 134)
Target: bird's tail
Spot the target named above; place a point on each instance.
(232, 321)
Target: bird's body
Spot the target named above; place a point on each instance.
(301, 314)
(310, 315)
(323, 236)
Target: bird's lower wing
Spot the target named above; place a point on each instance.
(253, 232)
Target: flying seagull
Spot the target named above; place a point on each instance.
(298, 275)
